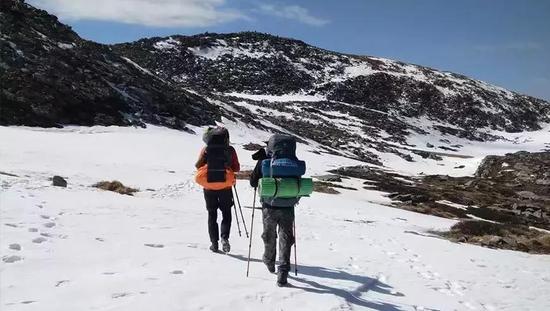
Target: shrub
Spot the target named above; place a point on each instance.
(115, 186)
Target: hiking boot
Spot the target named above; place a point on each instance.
(270, 267)
(225, 246)
(214, 247)
(282, 278)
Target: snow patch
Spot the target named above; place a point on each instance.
(65, 46)
(280, 98)
(168, 44)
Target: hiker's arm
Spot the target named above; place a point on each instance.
(202, 159)
(256, 174)
(235, 165)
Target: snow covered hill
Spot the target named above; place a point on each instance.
(362, 107)
(80, 248)
(356, 106)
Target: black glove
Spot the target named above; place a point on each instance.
(259, 155)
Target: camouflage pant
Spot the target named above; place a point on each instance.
(284, 218)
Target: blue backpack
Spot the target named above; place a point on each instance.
(282, 162)
(284, 167)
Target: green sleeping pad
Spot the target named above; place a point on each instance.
(285, 187)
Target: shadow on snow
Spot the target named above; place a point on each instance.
(352, 297)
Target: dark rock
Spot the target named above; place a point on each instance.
(252, 147)
(329, 178)
(427, 155)
(59, 181)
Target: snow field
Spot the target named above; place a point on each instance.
(104, 251)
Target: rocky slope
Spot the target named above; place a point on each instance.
(511, 193)
(356, 106)
(343, 102)
(50, 77)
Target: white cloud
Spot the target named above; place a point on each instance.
(159, 13)
(293, 12)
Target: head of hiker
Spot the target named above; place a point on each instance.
(216, 167)
(277, 175)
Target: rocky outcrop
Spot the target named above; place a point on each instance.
(51, 77)
(511, 191)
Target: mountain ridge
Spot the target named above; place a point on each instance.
(356, 106)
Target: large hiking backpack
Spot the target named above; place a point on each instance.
(282, 184)
(216, 175)
(281, 146)
(282, 160)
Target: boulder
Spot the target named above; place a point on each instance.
(59, 181)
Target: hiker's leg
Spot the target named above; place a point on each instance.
(286, 237)
(211, 199)
(269, 236)
(226, 202)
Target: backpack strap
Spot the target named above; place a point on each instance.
(276, 188)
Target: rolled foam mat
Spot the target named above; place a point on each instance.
(285, 187)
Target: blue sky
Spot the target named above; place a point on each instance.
(503, 42)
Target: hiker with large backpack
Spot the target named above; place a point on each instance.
(278, 175)
(216, 166)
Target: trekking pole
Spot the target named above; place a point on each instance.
(295, 257)
(240, 209)
(237, 217)
(251, 228)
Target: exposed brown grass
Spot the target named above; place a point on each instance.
(324, 187)
(503, 236)
(115, 186)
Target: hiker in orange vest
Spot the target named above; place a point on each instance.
(216, 166)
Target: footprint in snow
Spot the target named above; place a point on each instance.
(59, 283)
(400, 219)
(39, 240)
(120, 295)
(11, 259)
(49, 224)
(45, 216)
(177, 272)
(33, 230)
(11, 225)
(15, 247)
(154, 245)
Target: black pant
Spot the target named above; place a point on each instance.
(223, 200)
